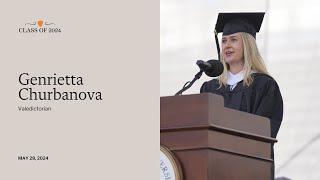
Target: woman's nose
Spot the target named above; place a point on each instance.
(228, 43)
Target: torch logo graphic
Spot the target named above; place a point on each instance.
(40, 23)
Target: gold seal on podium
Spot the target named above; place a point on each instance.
(170, 167)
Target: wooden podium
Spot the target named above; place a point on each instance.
(212, 142)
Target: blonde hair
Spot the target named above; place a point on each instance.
(252, 61)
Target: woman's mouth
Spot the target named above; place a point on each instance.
(229, 53)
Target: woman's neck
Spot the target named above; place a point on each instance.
(235, 68)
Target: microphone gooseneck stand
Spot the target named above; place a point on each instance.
(188, 84)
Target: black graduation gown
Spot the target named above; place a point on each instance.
(262, 98)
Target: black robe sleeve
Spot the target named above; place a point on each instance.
(203, 87)
(268, 103)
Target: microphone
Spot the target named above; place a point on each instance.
(212, 68)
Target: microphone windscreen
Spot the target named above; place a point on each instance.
(216, 70)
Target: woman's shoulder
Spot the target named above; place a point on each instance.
(210, 86)
(261, 80)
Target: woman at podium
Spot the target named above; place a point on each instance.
(245, 83)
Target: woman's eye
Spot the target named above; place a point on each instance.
(234, 40)
(224, 41)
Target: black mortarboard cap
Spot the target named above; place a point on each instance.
(230, 23)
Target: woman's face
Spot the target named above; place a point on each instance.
(232, 48)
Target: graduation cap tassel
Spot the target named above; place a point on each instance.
(217, 43)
